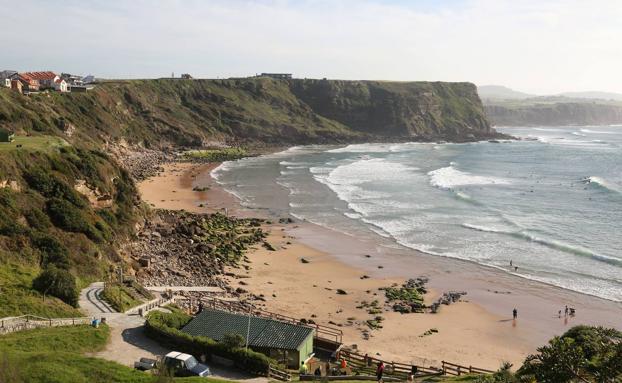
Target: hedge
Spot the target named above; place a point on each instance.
(158, 327)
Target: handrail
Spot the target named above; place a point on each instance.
(396, 368)
(279, 374)
(457, 369)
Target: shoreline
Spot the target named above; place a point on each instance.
(476, 331)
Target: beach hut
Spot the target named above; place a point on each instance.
(282, 341)
(6, 135)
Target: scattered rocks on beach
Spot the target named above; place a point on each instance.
(446, 299)
(183, 249)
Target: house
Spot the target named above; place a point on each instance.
(282, 341)
(60, 85)
(72, 79)
(29, 83)
(278, 76)
(17, 85)
(5, 77)
(46, 79)
(6, 135)
(88, 79)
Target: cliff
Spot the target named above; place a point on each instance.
(159, 113)
(555, 114)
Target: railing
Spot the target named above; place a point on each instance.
(325, 332)
(279, 374)
(27, 322)
(367, 364)
(457, 370)
(148, 306)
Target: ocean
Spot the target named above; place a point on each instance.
(551, 203)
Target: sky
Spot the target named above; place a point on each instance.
(535, 46)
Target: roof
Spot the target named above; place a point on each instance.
(178, 355)
(264, 333)
(39, 75)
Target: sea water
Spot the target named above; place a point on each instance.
(550, 203)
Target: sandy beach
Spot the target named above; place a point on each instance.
(477, 331)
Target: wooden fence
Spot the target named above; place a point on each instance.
(279, 374)
(457, 370)
(362, 364)
(27, 322)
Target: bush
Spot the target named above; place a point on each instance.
(52, 187)
(157, 328)
(37, 219)
(69, 218)
(52, 252)
(583, 353)
(232, 340)
(59, 283)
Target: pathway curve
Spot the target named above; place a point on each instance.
(128, 341)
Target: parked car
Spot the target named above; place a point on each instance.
(145, 364)
(184, 365)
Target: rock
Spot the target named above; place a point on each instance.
(341, 292)
(303, 260)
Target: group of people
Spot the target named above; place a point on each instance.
(568, 311)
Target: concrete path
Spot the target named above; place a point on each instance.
(128, 341)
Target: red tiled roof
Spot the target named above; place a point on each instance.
(39, 75)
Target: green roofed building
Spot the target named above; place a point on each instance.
(282, 341)
(6, 135)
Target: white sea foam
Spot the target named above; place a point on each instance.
(578, 134)
(603, 183)
(450, 177)
(596, 131)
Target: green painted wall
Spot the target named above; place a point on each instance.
(305, 349)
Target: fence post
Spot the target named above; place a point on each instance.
(459, 372)
(470, 369)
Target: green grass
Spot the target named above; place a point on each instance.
(55, 355)
(33, 143)
(216, 155)
(18, 298)
(119, 298)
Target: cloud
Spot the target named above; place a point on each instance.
(536, 46)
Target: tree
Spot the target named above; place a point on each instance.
(231, 340)
(59, 283)
(583, 354)
(52, 252)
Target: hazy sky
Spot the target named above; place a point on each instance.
(539, 46)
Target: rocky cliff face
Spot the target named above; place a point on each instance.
(558, 114)
(158, 113)
(415, 110)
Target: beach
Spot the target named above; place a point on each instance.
(477, 331)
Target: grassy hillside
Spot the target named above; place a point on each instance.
(158, 113)
(61, 208)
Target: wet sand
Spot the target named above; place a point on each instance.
(478, 331)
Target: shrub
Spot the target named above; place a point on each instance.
(583, 353)
(69, 218)
(59, 283)
(52, 252)
(52, 187)
(37, 219)
(232, 340)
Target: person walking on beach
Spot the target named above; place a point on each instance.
(515, 313)
(566, 311)
(379, 371)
